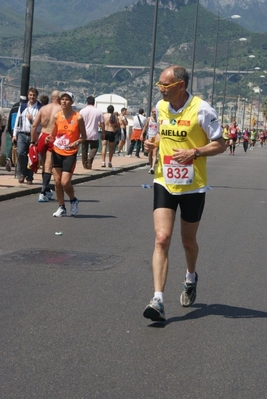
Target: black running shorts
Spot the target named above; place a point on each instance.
(66, 163)
(191, 205)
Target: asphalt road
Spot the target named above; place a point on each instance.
(71, 305)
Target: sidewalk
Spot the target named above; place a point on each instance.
(11, 188)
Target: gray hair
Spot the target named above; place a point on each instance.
(180, 73)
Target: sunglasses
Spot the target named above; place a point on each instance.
(164, 86)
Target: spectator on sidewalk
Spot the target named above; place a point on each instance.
(12, 154)
(22, 133)
(93, 120)
(111, 122)
(139, 121)
(123, 134)
(44, 99)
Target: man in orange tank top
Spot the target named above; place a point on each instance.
(68, 133)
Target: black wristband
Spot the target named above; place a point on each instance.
(32, 142)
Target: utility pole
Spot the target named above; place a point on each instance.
(152, 65)
(194, 48)
(25, 73)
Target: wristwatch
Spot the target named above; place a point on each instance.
(197, 153)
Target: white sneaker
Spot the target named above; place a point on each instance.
(103, 165)
(155, 310)
(74, 207)
(43, 198)
(60, 212)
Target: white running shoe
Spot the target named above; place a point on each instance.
(60, 212)
(74, 207)
(155, 310)
(43, 198)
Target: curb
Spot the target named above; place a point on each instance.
(16, 192)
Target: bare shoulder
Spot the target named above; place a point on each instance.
(55, 116)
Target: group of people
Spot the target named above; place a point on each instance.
(55, 129)
(142, 129)
(234, 136)
(113, 132)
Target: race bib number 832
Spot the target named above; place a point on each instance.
(175, 173)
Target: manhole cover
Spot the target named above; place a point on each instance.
(60, 259)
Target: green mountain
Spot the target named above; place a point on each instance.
(54, 16)
(102, 41)
(125, 38)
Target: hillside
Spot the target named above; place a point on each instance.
(102, 43)
(93, 44)
(55, 16)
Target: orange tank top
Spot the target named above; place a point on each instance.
(67, 132)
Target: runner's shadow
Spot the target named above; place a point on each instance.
(89, 200)
(81, 216)
(204, 310)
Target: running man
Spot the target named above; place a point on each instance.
(189, 132)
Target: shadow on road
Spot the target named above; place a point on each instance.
(203, 310)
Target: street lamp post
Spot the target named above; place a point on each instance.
(243, 118)
(235, 16)
(252, 98)
(194, 47)
(242, 39)
(225, 79)
(215, 59)
(25, 73)
(244, 108)
(259, 106)
(152, 58)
